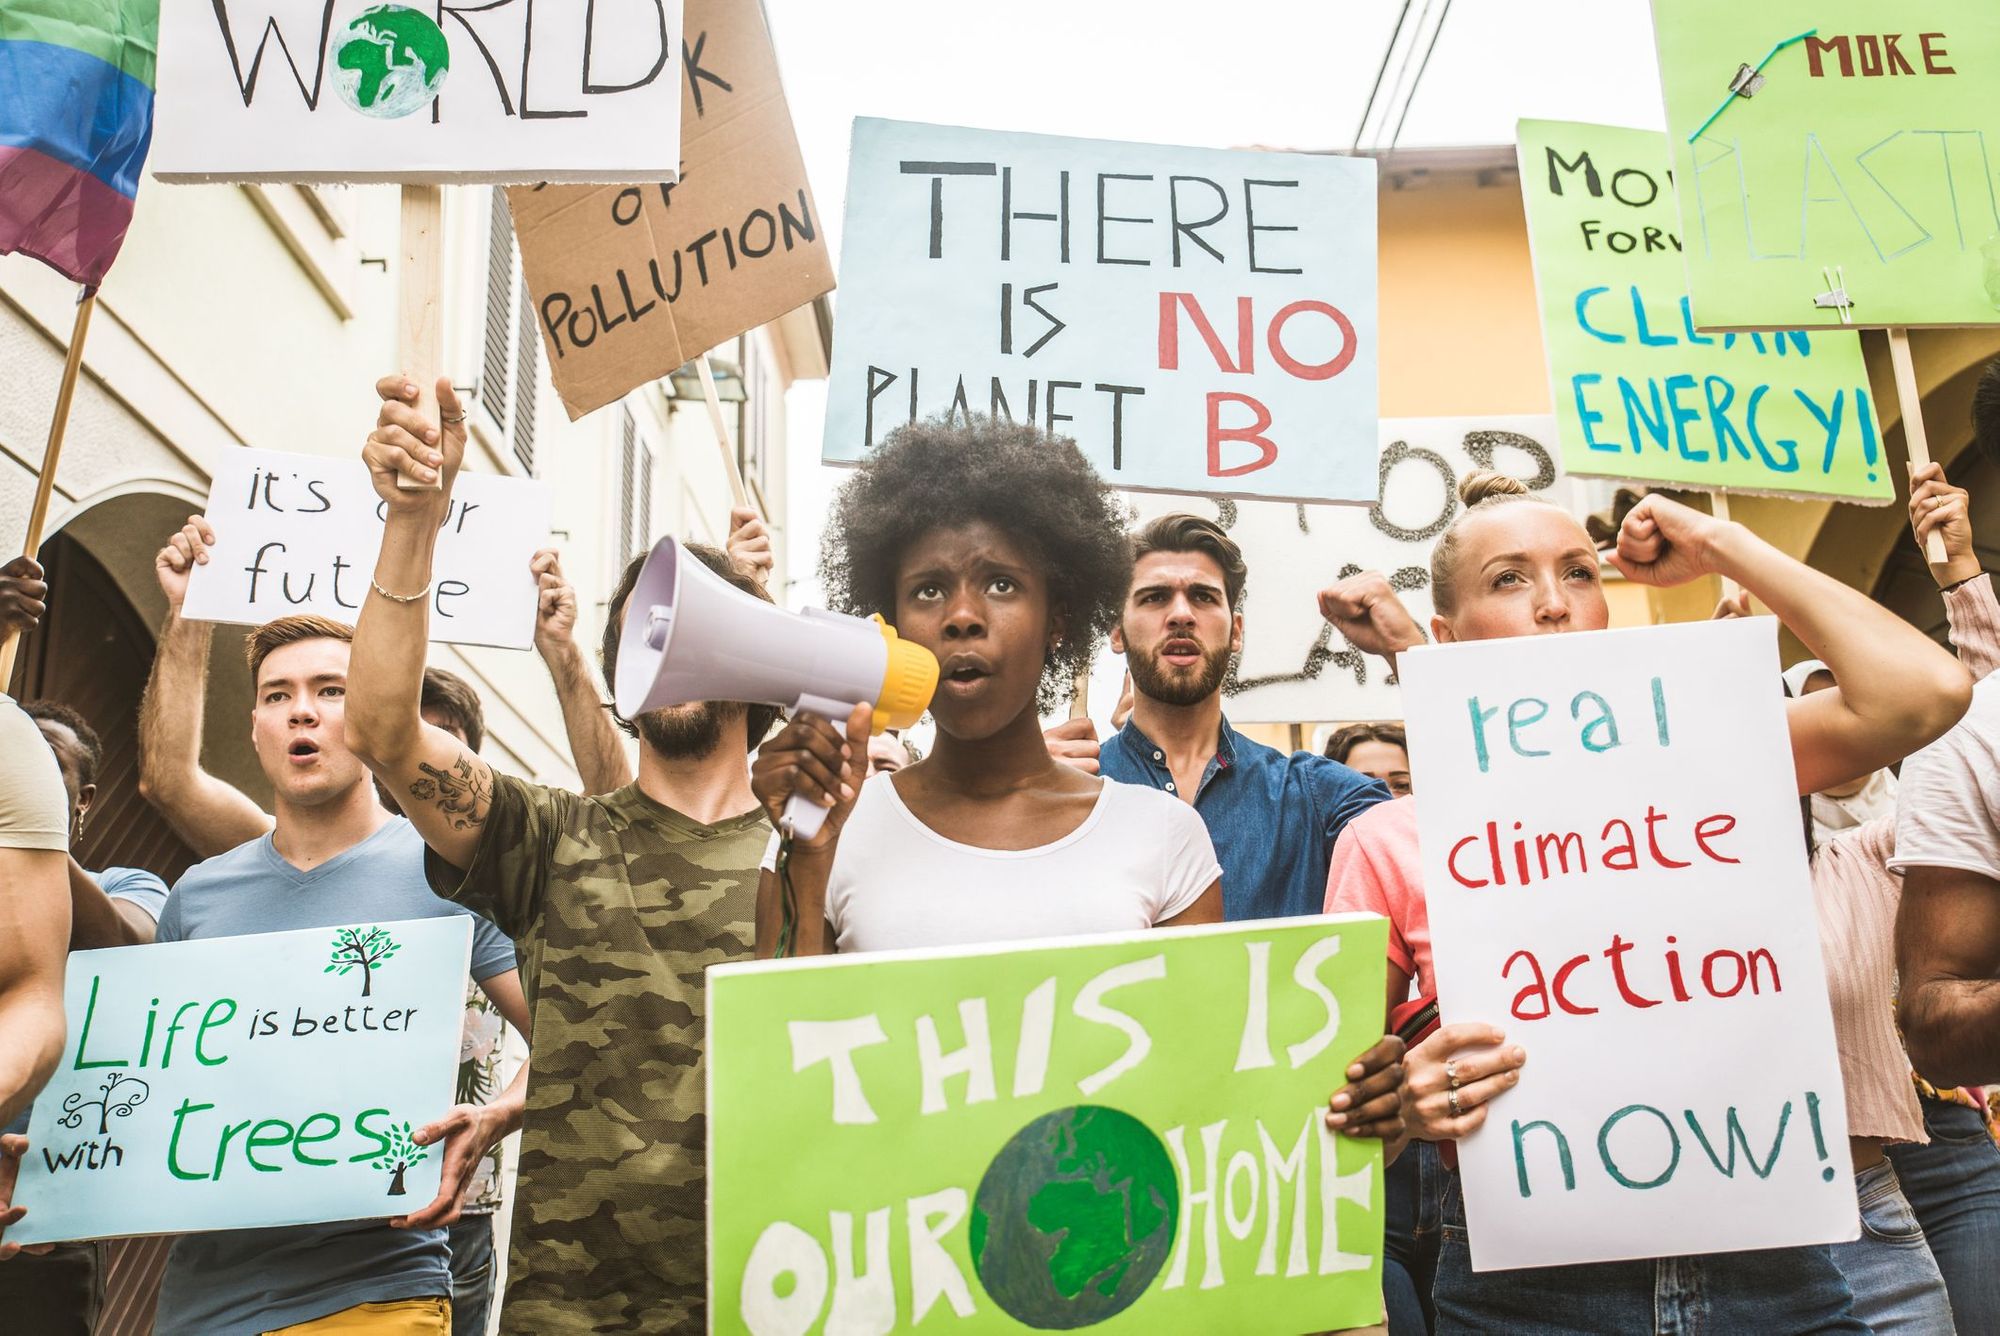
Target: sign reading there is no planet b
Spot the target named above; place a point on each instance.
(244, 1082)
(359, 90)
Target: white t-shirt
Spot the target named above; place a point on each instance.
(1948, 809)
(1139, 859)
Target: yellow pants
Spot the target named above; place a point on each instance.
(405, 1317)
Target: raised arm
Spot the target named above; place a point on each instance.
(1936, 507)
(1897, 689)
(1364, 608)
(594, 742)
(809, 757)
(209, 815)
(34, 940)
(443, 786)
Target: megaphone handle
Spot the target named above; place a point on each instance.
(804, 815)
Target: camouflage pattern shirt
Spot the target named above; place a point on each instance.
(618, 904)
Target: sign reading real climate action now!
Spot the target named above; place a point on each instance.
(1639, 391)
(1125, 1132)
(1639, 918)
(1861, 154)
(359, 90)
(243, 1082)
(1198, 320)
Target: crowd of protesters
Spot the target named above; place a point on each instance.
(998, 549)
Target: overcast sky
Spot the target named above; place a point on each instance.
(1275, 73)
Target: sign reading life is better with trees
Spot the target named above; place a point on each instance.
(299, 534)
(241, 1082)
(1639, 391)
(1617, 878)
(1294, 665)
(630, 282)
(359, 90)
(1124, 1132)
(1198, 320)
(1863, 157)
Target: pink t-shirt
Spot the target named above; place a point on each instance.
(1376, 869)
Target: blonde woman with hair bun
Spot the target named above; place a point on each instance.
(1514, 564)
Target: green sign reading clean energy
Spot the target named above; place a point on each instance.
(1836, 150)
(1122, 1132)
(1639, 391)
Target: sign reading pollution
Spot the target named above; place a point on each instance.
(241, 1082)
(357, 90)
(1124, 1132)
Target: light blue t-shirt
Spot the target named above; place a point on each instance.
(245, 1281)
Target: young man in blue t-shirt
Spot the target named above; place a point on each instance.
(334, 857)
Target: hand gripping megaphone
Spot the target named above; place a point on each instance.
(688, 635)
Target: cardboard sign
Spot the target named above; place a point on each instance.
(359, 90)
(1197, 320)
(1123, 1132)
(631, 282)
(1861, 159)
(1639, 392)
(1294, 666)
(300, 533)
(1617, 878)
(244, 1082)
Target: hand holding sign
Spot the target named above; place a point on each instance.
(469, 1132)
(1371, 1103)
(405, 442)
(1465, 1060)
(12, 1148)
(177, 560)
(1940, 511)
(750, 544)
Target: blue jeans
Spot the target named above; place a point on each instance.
(471, 1274)
(1782, 1290)
(1414, 1197)
(1953, 1184)
(1895, 1279)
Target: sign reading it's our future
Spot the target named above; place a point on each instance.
(1835, 149)
(243, 1082)
(300, 533)
(1639, 918)
(1198, 320)
(359, 90)
(1638, 390)
(1126, 1132)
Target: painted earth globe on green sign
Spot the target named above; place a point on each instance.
(391, 61)
(1074, 1218)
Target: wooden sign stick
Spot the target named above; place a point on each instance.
(1079, 696)
(419, 342)
(1916, 444)
(45, 484)
(736, 487)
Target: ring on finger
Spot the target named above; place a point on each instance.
(1452, 1100)
(1451, 1072)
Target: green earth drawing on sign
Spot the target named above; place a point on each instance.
(391, 61)
(1074, 1218)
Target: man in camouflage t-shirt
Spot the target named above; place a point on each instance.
(619, 903)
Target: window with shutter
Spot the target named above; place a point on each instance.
(628, 470)
(495, 364)
(527, 347)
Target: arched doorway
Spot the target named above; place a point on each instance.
(93, 652)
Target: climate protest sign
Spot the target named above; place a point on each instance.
(299, 533)
(357, 90)
(631, 282)
(1617, 878)
(1830, 146)
(240, 1082)
(1639, 391)
(1126, 1132)
(1199, 320)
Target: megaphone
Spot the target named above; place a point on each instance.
(689, 635)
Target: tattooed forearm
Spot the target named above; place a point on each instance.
(462, 793)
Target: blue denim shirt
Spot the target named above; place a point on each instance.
(1273, 817)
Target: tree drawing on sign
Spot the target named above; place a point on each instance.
(116, 1098)
(402, 1154)
(366, 948)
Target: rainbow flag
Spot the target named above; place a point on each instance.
(76, 116)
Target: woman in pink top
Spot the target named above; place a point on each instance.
(1514, 565)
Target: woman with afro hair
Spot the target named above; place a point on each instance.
(998, 549)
